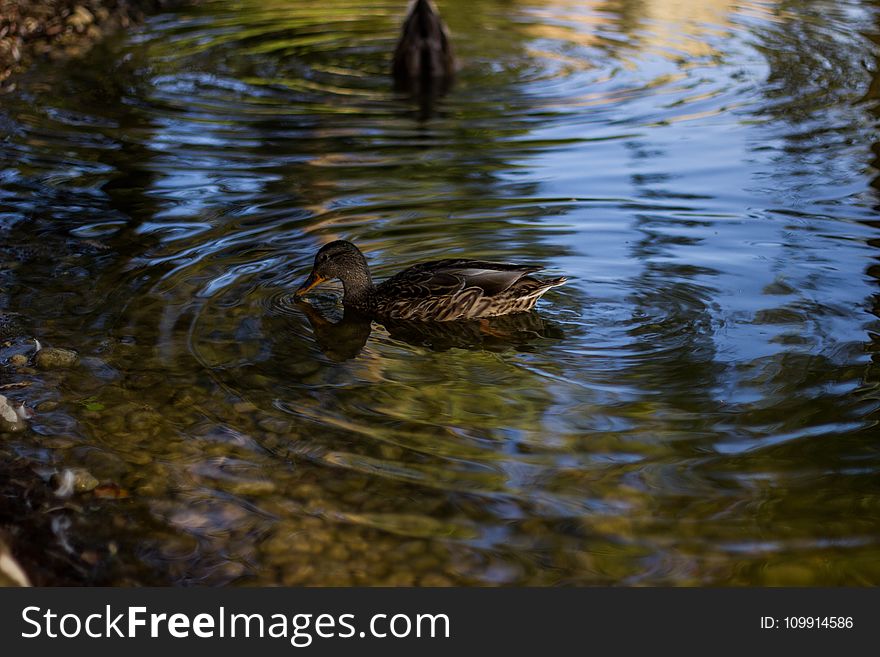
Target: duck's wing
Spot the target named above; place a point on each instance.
(443, 278)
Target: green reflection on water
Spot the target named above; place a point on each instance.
(697, 406)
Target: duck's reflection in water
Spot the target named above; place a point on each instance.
(345, 338)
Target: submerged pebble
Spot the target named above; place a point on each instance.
(12, 417)
(434, 580)
(52, 358)
(11, 325)
(252, 487)
(143, 420)
(58, 442)
(244, 407)
(74, 480)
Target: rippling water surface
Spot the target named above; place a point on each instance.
(698, 405)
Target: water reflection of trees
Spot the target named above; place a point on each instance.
(286, 131)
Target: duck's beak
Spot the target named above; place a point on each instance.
(312, 281)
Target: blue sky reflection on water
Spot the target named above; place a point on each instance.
(706, 382)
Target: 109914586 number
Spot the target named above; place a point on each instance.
(817, 622)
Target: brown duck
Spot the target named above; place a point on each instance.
(424, 52)
(440, 290)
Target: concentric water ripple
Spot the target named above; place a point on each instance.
(697, 405)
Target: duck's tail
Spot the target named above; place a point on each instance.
(546, 284)
(530, 289)
(555, 282)
(424, 51)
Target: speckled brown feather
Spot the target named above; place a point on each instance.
(444, 290)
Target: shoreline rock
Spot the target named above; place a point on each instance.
(12, 418)
(51, 541)
(30, 29)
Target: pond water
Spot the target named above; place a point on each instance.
(697, 406)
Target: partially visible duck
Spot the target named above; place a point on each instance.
(423, 56)
(440, 290)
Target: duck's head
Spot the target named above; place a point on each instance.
(337, 260)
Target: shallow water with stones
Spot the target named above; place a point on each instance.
(698, 405)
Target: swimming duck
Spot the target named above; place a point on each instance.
(424, 51)
(440, 290)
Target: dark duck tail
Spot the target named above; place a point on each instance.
(424, 52)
